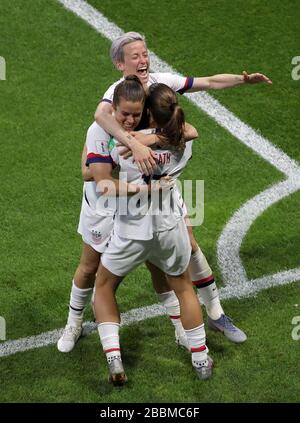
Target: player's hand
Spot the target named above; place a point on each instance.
(144, 158)
(163, 184)
(255, 78)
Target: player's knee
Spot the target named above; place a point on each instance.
(89, 269)
(193, 242)
(194, 245)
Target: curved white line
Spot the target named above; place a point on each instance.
(231, 238)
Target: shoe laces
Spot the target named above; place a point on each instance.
(70, 331)
(228, 324)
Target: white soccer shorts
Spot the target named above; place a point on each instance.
(170, 251)
(94, 229)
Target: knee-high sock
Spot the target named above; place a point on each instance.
(197, 341)
(207, 290)
(78, 300)
(110, 340)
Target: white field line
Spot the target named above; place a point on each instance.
(235, 278)
(50, 338)
(230, 241)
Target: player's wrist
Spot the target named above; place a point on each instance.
(130, 141)
(246, 78)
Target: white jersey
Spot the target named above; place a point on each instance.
(178, 83)
(97, 213)
(98, 143)
(139, 216)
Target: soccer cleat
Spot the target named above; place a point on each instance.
(224, 324)
(181, 340)
(70, 336)
(117, 374)
(203, 368)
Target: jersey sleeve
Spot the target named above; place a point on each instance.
(97, 145)
(178, 83)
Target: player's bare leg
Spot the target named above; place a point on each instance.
(82, 287)
(108, 319)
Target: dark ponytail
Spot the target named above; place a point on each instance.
(131, 89)
(167, 114)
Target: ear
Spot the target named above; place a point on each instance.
(120, 66)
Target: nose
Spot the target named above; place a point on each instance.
(130, 119)
(143, 60)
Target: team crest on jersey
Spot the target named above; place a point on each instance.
(96, 236)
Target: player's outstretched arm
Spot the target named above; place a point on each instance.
(143, 155)
(218, 82)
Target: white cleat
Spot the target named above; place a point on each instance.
(70, 336)
(117, 374)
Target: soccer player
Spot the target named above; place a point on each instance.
(96, 221)
(130, 56)
(142, 234)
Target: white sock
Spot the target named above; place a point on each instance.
(199, 267)
(171, 303)
(109, 337)
(78, 300)
(207, 290)
(196, 339)
(210, 298)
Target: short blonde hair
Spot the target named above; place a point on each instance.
(117, 47)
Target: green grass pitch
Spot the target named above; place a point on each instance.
(57, 68)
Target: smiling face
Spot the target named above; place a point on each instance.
(136, 61)
(128, 113)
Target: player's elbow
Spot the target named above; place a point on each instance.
(194, 134)
(100, 114)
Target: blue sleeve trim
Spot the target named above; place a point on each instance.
(187, 86)
(99, 160)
